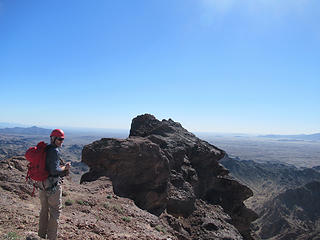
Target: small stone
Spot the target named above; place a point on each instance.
(32, 236)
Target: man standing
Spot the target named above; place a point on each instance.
(50, 189)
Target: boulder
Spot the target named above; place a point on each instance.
(165, 168)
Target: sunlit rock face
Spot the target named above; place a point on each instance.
(162, 166)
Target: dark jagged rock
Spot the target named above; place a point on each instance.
(162, 166)
(138, 169)
(206, 222)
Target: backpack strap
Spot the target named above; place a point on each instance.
(33, 191)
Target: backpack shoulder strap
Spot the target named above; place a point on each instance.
(49, 146)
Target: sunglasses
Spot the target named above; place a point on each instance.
(60, 139)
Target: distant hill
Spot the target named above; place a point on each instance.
(25, 131)
(305, 137)
(268, 179)
(11, 125)
(294, 214)
(317, 168)
(285, 197)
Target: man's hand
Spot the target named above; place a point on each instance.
(66, 167)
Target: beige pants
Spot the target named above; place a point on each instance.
(49, 214)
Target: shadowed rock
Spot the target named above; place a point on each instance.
(138, 169)
(162, 166)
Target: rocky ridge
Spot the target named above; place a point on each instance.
(269, 179)
(90, 210)
(293, 214)
(285, 197)
(171, 173)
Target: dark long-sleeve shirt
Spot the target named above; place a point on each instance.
(53, 162)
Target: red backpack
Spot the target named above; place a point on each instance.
(37, 162)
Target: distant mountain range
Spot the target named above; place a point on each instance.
(305, 137)
(7, 128)
(11, 125)
(26, 131)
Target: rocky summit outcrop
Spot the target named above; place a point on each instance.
(167, 170)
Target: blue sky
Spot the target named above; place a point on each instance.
(249, 66)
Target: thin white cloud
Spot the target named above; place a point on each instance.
(260, 12)
(272, 7)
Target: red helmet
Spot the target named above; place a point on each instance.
(57, 133)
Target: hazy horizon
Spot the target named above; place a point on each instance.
(92, 129)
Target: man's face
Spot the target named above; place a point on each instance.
(59, 141)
